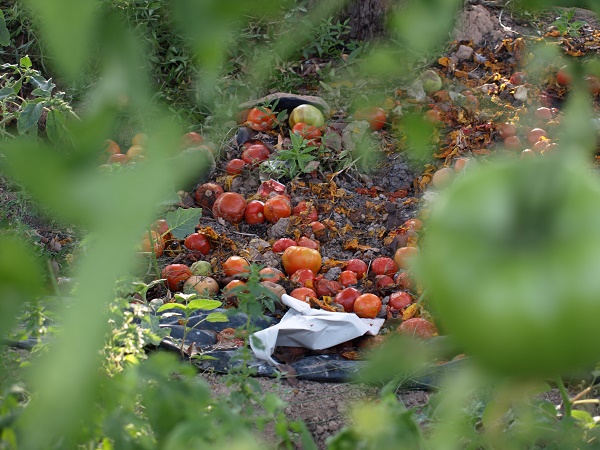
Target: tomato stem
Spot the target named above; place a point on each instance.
(567, 405)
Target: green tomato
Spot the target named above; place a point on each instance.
(511, 256)
(307, 114)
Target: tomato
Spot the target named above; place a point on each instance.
(153, 242)
(431, 81)
(118, 158)
(517, 78)
(308, 114)
(235, 265)
(307, 242)
(418, 327)
(277, 207)
(346, 298)
(161, 227)
(541, 145)
(374, 115)
(232, 289)
(413, 224)
(235, 166)
(111, 147)
(270, 187)
(400, 299)
(563, 76)
(367, 306)
(403, 256)
(513, 143)
(348, 278)
(512, 276)
(306, 210)
(323, 286)
(197, 242)
(506, 129)
(176, 275)
(404, 280)
(261, 119)
(191, 139)
(230, 206)
(295, 258)
(202, 285)
(302, 293)
(201, 268)
(255, 154)
(207, 193)
(271, 274)
(433, 116)
(254, 212)
(134, 151)
(535, 135)
(281, 244)
(304, 277)
(357, 266)
(460, 164)
(544, 114)
(382, 281)
(384, 266)
(442, 177)
(308, 132)
(139, 139)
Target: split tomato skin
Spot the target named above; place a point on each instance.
(261, 119)
(296, 257)
(384, 266)
(308, 132)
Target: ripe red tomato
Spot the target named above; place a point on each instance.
(403, 256)
(506, 129)
(235, 166)
(271, 274)
(413, 224)
(513, 143)
(197, 242)
(418, 327)
(295, 258)
(347, 278)
(306, 210)
(302, 293)
(305, 277)
(255, 154)
(323, 287)
(346, 298)
(367, 306)
(277, 208)
(207, 193)
(384, 266)
(563, 76)
(308, 132)
(307, 114)
(281, 244)
(176, 275)
(357, 266)
(235, 265)
(232, 289)
(382, 281)
(254, 212)
(400, 299)
(111, 147)
(374, 115)
(261, 119)
(517, 78)
(307, 242)
(230, 206)
(191, 139)
(535, 135)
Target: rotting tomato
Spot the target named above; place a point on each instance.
(277, 207)
(442, 177)
(418, 327)
(305, 277)
(207, 194)
(281, 244)
(413, 224)
(348, 278)
(543, 114)
(270, 187)
(308, 114)
(295, 258)
(563, 76)
(308, 242)
(111, 147)
(271, 274)
(357, 266)
(303, 293)
(522, 298)
(235, 266)
(404, 255)
(232, 289)
(384, 266)
(535, 135)
(382, 281)
(400, 299)
(375, 115)
(404, 280)
(323, 286)
(506, 129)
(176, 275)
(346, 298)
(255, 154)
(306, 210)
(235, 166)
(261, 119)
(513, 143)
(191, 139)
(367, 306)
(197, 242)
(229, 206)
(203, 285)
(254, 212)
(308, 132)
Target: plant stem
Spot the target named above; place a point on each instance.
(567, 405)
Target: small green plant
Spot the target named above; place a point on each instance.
(330, 39)
(301, 157)
(193, 304)
(565, 23)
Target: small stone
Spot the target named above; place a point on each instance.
(333, 425)
(279, 229)
(319, 429)
(464, 52)
(520, 93)
(333, 273)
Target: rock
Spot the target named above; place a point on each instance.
(476, 24)
(288, 101)
(279, 229)
(464, 52)
(333, 273)
(520, 93)
(416, 91)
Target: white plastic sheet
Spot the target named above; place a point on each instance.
(316, 329)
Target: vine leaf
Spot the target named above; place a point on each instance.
(4, 33)
(182, 222)
(29, 117)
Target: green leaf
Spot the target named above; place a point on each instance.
(25, 62)
(182, 222)
(42, 84)
(55, 126)
(204, 304)
(6, 92)
(29, 117)
(4, 33)
(583, 416)
(168, 306)
(217, 317)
